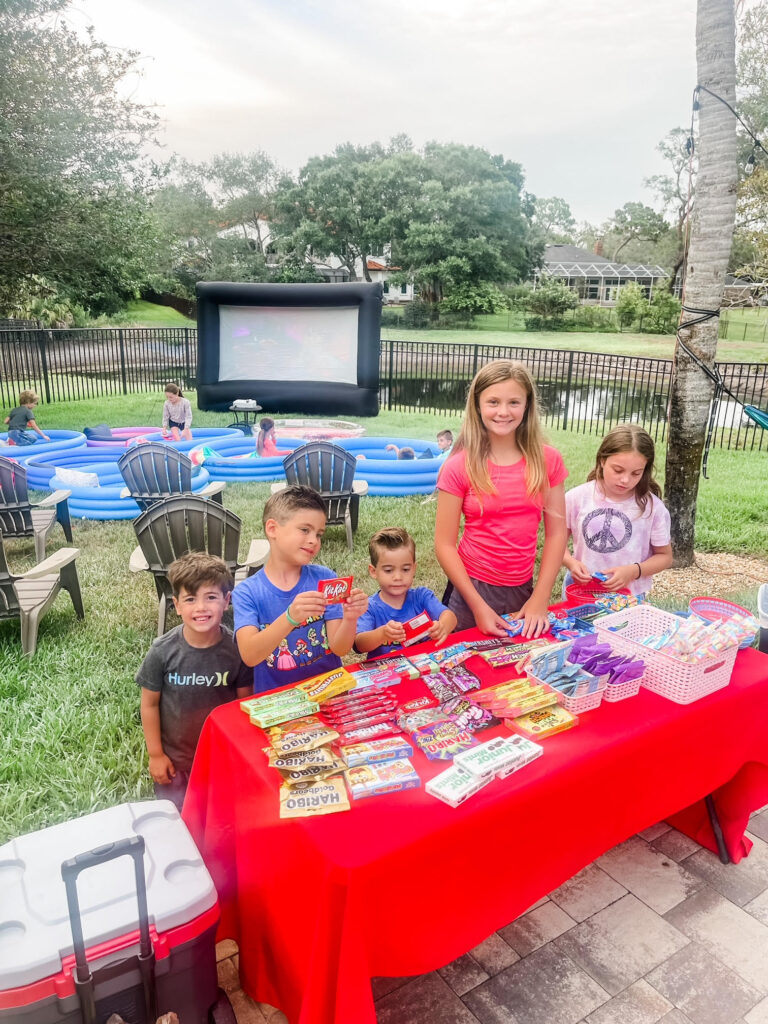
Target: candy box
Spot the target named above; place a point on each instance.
(336, 590)
(547, 722)
(416, 629)
(327, 685)
(491, 643)
(423, 663)
(510, 655)
(267, 717)
(487, 759)
(311, 798)
(283, 698)
(525, 751)
(376, 779)
(403, 667)
(374, 678)
(450, 657)
(441, 740)
(391, 748)
(455, 785)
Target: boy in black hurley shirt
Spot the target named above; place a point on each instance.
(188, 672)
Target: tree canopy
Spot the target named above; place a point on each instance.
(73, 207)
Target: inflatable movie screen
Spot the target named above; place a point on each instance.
(310, 348)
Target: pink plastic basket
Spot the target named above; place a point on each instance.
(715, 609)
(623, 690)
(665, 674)
(579, 703)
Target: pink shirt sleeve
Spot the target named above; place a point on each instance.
(556, 471)
(453, 476)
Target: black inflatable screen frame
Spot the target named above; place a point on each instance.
(316, 397)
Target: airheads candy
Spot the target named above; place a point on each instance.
(337, 590)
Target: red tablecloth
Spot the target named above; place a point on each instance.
(403, 884)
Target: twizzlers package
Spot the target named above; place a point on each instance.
(335, 591)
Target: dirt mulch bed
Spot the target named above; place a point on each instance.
(713, 575)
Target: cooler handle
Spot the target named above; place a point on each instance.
(133, 847)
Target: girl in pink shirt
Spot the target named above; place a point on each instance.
(618, 522)
(502, 479)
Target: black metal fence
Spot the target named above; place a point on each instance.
(588, 392)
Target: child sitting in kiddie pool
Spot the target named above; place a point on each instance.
(393, 565)
(266, 440)
(21, 418)
(617, 520)
(173, 710)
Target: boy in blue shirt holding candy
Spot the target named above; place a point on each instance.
(285, 627)
(380, 630)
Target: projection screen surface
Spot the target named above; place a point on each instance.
(284, 343)
(307, 348)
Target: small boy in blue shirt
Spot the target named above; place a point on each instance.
(284, 626)
(393, 565)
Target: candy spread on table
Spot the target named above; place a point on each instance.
(349, 734)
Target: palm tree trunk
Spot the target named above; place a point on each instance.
(710, 246)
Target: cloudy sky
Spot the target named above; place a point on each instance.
(578, 93)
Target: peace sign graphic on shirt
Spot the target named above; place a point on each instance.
(609, 523)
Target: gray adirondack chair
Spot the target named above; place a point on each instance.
(330, 470)
(153, 471)
(175, 526)
(20, 518)
(28, 595)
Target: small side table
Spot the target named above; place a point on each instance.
(245, 409)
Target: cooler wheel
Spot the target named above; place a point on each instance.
(221, 1012)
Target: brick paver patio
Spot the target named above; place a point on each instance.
(655, 930)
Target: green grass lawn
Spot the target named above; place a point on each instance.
(506, 329)
(624, 344)
(149, 314)
(73, 740)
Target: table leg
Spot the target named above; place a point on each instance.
(716, 828)
(354, 510)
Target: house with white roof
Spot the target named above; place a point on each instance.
(596, 279)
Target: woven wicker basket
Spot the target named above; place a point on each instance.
(665, 674)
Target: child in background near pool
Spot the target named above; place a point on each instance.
(21, 418)
(502, 479)
(177, 413)
(393, 565)
(266, 440)
(618, 522)
(188, 672)
(445, 441)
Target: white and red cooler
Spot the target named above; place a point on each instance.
(114, 912)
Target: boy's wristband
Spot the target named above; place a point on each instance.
(291, 621)
(639, 570)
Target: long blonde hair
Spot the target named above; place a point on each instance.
(473, 437)
(629, 437)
